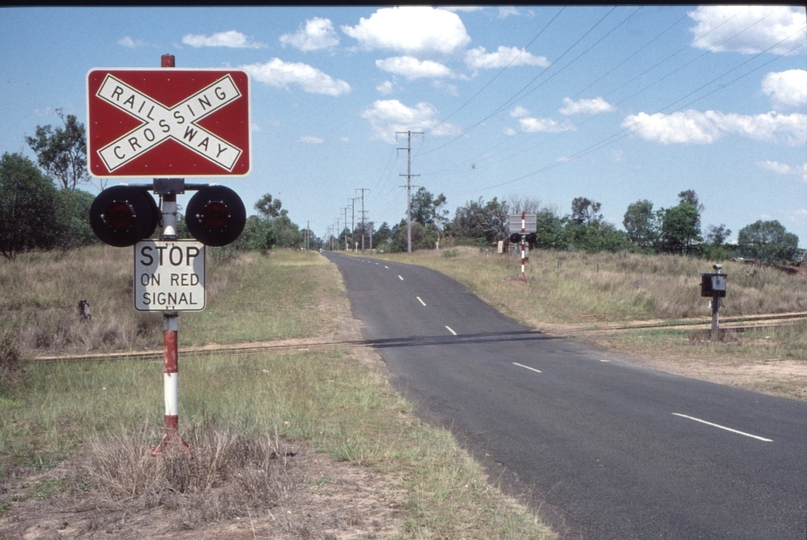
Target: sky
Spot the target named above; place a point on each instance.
(616, 104)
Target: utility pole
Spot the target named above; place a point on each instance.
(362, 216)
(353, 221)
(346, 248)
(409, 176)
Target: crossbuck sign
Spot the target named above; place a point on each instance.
(168, 122)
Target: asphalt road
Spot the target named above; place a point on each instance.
(603, 449)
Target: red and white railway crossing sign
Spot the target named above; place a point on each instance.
(168, 122)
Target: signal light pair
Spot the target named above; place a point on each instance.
(530, 239)
(124, 215)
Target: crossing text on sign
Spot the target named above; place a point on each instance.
(161, 123)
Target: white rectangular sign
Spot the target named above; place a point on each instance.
(169, 275)
(530, 223)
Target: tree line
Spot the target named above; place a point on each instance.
(675, 230)
(42, 207)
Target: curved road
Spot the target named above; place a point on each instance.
(603, 449)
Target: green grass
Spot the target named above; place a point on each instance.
(55, 411)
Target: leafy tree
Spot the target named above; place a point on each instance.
(426, 208)
(269, 208)
(641, 224)
(74, 212)
(286, 233)
(549, 231)
(62, 151)
(767, 241)
(680, 228)
(27, 202)
(584, 212)
(717, 235)
(381, 235)
(690, 197)
(483, 221)
(259, 235)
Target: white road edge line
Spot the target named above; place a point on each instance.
(527, 367)
(450, 330)
(421, 301)
(722, 427)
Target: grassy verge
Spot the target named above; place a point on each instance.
(571, 287)
(57, 411)
(591, 290)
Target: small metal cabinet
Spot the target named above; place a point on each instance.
(713, 283)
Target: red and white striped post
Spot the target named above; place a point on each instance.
(171, 441)
(523, 231)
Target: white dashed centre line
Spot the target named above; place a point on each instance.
(526, 367)
(450, 330)
(387, 267)
(399, 277)
(723, 427)
(421, 301)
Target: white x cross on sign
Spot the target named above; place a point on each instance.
(161, 123)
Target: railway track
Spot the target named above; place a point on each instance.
(748, 322)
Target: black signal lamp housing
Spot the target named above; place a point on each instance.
(124, 215)
(215, 215)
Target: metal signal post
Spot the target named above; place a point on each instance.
(127, 215)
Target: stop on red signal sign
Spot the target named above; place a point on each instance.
(168, 123)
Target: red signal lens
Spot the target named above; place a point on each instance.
(119, 215)
(215, 215)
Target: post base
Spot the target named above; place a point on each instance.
(171, 443)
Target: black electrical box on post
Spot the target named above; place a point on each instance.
(713, 283)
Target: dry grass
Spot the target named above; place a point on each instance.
(572, 287)
(226, 473)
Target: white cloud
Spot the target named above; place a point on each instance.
(412, 68)
(388, 116)
(281, 74)
(412, 29)
(786, 88)
(127, 41)
(775, 166)
(449, 89)
(510, 131)
(587, 106)
(506, 11)
(747, 29)
(317, 34)
(385, 88)
(784, 168)
(311, 139)
(518, 112)
(798, 216)
(230, 38)
(531, 125)
(695, 127)
(478, 59)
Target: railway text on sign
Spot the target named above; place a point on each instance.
(169, 275)
(168, 123)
